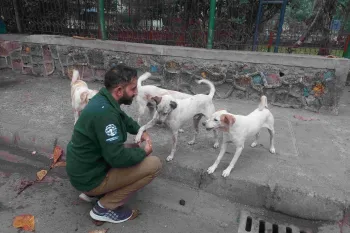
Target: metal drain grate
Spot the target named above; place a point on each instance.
(250, 223)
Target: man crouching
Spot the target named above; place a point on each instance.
(99, 164)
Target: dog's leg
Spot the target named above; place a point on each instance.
(255, 143)
(272, 140)
(238, 152)
(150, 124)
(76, 116)
(196, 120)
(213, 167)
(216, 137)
(173, 149)
(142, 109)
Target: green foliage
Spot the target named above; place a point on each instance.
(299, 10)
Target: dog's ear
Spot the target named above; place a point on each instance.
(84, 97)
(157, 99)
(173, 104)
(227, 119)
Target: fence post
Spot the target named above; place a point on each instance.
(101, 6)
(211, 24)
(346, 52)
(256, 32)
(18, 21)
(278, 37)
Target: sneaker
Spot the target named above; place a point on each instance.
(87, 198)
(119, 215)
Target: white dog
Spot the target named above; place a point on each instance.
(80, 94)
(238, 128)
(174, 112)
(147, 92)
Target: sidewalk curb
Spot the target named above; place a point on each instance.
(275, 197)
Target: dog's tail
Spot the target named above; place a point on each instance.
(142, 78)
(263, 103)
(210, 84)
(75, 76)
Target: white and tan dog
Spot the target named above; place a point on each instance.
(174, 112)
(147, 92)
(237, 128)
(80, 94)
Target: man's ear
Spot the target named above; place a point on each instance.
(173, 104)
(84, 97)
(157, 99)
(227, 119)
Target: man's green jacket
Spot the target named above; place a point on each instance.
(97, 143)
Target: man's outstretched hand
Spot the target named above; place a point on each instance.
(146, 138)
(148, 149)
(148, 146)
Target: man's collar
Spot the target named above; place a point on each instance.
(111, 99)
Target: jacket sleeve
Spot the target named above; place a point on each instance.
(109, 137)
(131, 126)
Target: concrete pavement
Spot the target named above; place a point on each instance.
(57, 208)
(307, 178)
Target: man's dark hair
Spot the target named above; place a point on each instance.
(118, 75)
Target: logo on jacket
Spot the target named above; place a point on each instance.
(111, 130)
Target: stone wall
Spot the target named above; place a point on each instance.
(308, 82)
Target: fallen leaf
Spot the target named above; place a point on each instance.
(57, 154)
(41, 174)
(99, 231)
(135, 214)
(26, 222)
(60, 164)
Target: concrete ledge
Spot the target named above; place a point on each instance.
(9, 133)
(185, 52)
(42, 142)
(257, 191)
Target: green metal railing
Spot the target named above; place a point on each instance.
(214, 24)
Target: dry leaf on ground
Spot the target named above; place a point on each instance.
(135, 214)
(99, 231)
(26, 222)
(57, 154)
(60, 164)
(41, 174)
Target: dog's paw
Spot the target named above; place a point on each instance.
(216, 145)
(169, 158)
(192, 142)
(211, 169)
(138, 138)
(226, 172)
(254, 144)
(181, 131)
(273, 150)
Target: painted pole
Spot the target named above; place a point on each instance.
(255, 40)
(211, 24)
(101, 6)
(346, 52)
(278, 37)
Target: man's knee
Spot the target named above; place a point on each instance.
(153, 164)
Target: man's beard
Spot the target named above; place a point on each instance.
(126, 100)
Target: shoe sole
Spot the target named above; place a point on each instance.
(84, 197)
(104, 219)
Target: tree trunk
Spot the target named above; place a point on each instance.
(309, 29)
